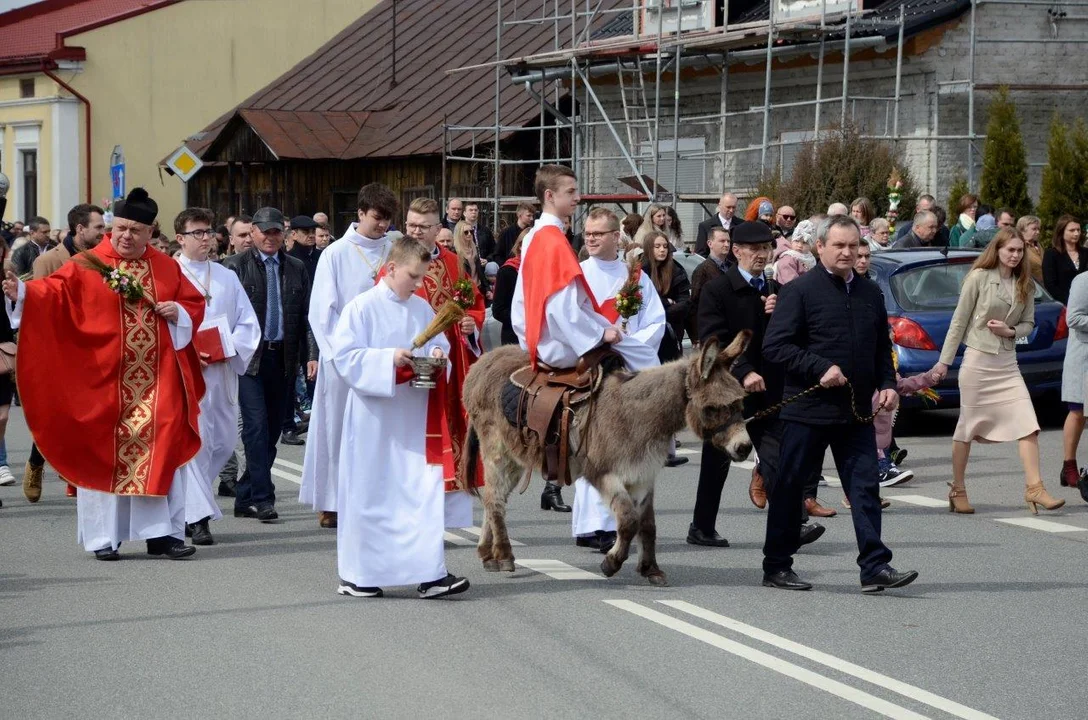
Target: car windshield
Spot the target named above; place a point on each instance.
(936, 287)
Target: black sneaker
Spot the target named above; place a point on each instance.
(897, 454)
(226, 488)
(346, 588)
(449, 585)
(894, 476)
(675, 461)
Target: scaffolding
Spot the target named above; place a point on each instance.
(635, 67)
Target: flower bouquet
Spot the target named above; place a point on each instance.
(464, 294)
(629, 298)
(119, 281)
(895, 194)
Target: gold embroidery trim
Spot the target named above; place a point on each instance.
(139, 360)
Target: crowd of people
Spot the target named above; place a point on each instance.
(234, 338)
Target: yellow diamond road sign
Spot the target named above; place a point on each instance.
(184, 163)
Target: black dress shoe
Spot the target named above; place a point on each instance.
(711, 539)
(785, 580)
(290, 437)
(675, 461)
(170, 547)
(302, 427)
(188, 530)
(201, 534)
(249, 511)
(264, 514)
(810, 532)
(107, 554)
(226, 488)
(887, 579)
(552, 499)
(601, 541)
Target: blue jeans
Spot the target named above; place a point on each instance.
(3, 451)
(261, 405)
(802, 449)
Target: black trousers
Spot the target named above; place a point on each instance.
(801, 449)
(713, 470)
(261, 403)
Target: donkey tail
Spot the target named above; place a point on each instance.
(470, 460)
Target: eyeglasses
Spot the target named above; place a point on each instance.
(598, 235)
(788, 217)
(412, 227)
(200, 234)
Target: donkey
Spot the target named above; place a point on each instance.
(619, 442)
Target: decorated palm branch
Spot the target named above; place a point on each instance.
(118, 280)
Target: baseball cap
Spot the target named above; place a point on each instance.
(303, 222)
(268, 218)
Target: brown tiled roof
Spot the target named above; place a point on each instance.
(339, 102)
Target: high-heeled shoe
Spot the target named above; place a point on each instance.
(957, 501)
(1036, 495)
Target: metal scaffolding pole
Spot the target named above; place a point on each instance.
(676, 111)
(845, 70)
(657, 99)
(498, 114)
(723, 107)
(898, 71)
(971, 105)
(820, 69)
(767, 92)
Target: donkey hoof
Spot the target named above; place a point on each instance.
(658, 579)
(609, 567)
(506, 565)
(491, 565)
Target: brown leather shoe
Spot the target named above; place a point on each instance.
(756, 493)
(32, 482)
(815, 509)
(327, 520)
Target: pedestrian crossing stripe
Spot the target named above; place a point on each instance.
(1044, 525)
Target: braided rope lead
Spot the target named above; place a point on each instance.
(794, 398)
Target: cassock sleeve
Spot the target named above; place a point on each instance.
(181, 332)
(15, 309)
(191, 307)
(368, 370)
(246, 334)
(478, 313)
(325, 309)
(639, 347)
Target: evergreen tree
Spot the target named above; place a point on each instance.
(1066, 172)
(959, 189)
(1004, 160)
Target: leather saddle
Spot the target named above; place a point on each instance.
(540, 404)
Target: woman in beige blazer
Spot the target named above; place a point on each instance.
(996, 306)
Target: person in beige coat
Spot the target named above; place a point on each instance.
(996, 306)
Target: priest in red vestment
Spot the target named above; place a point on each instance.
(423, 224)
(139, 382)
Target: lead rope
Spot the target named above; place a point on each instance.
(794, 398)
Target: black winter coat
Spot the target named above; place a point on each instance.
(505, 282)
(1059, 271)
(818, 323)
(728, 305)
(298, 342)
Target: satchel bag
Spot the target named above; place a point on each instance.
(7, 358)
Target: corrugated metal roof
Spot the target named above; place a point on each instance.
(351, 76)
(31, 31)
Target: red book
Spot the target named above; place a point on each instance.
(209, 341)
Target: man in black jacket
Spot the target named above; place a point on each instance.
(830, 328)
(740, 299)
(726, 217)
(278, 287)
(304, 233)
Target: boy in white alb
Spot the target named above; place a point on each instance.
(230, 312)
(592, 523)
(390, 491)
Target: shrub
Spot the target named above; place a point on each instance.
(1004, 181)
(1066, 173)
(839, 167)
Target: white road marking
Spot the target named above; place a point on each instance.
(558, 570)
(771, 662)
(475, 532)
(688, 451)
(919, 500)
(1044, 525)
(832, 481)
(456, 539)
(288, 464)
(285, 475)
(869, 676)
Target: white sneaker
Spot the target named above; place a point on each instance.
(6, 478)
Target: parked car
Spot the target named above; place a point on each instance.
(921, 288)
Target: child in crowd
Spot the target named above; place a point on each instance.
(390, 468)
(799, 258)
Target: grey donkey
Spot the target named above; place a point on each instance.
(630, 427)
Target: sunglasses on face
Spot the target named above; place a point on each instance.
(788, 217)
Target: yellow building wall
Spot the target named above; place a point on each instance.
(15, 112)
(156, 78)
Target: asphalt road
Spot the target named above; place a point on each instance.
(252, 628)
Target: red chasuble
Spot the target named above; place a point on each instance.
(112, 406)
(550, 266)
(451, 424)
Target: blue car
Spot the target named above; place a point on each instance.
(921, 288)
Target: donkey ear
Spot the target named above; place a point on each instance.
(738, 346)
(708, 357)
